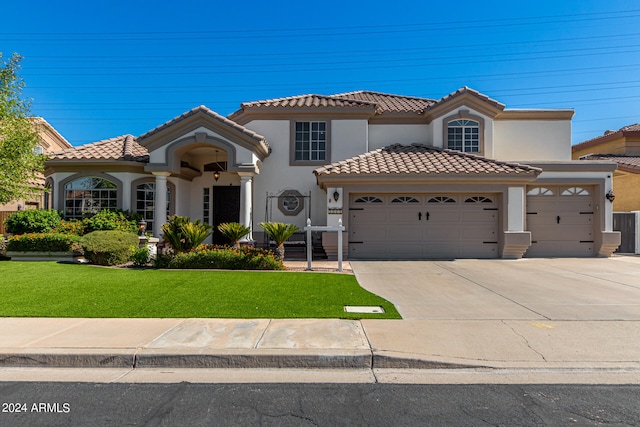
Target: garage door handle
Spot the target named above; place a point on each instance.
(558, 219)
(419, 216)
(427, 216)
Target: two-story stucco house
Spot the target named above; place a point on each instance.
(410, 178)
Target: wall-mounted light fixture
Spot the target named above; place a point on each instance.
(336, 195)
(610, 196)
(216, 173)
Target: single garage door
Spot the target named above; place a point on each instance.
(561, 221)
(428, 226)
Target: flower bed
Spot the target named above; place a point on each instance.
(221, 257)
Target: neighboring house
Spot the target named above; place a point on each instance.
(410, 178)
(622, 147)
(50, 141)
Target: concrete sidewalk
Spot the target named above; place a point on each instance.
(542, 315)
(318, 343)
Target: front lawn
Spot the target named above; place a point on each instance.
(49, 289)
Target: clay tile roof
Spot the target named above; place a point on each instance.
(211, 113)
(120, 148)
(629, 163)
(468, 90)
(388, 102)
(608, 135)
(421, 159)
(310, 100)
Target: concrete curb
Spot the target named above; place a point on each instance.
(291, 359)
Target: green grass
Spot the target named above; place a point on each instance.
(49, 289)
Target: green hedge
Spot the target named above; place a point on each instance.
(42, 242)
(32, 221)
(110, 247)
(222, 257)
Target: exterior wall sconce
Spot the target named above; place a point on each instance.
(142, 227)
(610, 196)
(336, 195)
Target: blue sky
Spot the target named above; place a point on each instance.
(99, 69)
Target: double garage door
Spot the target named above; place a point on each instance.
(561, 221)
(427, 226)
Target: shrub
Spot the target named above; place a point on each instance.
(279, 232)
(221, 257)
(70, 226)
(110, 220)
(32, 221)
(184, 235)
(140, 256)
(42, 242)
(234, 232)
(110, 247)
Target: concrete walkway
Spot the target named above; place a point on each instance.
(461, 316)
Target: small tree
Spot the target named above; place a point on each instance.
(279, 232)
(234, 232)
(19, 136)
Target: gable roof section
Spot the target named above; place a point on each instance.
(610, 135)
(202, 116)
(121, 148)
(418, 159)
(625, 163)
(467, 97)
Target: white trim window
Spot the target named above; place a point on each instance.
(463, 135)
(311, 141)
(89, 195)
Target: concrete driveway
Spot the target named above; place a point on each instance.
(526, 289)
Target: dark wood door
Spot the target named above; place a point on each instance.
(226, 208)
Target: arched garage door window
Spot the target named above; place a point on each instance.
(88, 195)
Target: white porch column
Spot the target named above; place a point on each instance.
(246, 202)
(515, 209)
(160, 202)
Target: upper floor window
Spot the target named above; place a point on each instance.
(463, 135)
(311, 142)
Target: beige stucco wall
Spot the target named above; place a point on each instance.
(384, 135)
(522, 140)
(276, 175)
(626, 186)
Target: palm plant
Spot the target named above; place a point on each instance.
(234, 232)
(279, 233)
(184, 235)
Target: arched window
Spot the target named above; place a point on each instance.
(88, 195)
(463, 135)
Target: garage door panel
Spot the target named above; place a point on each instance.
(479, 216)
(443, 232)
(561, 222)
(434, 226)
(440, 215)
(404, 215)
(477, 231)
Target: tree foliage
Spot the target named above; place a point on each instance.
(19, 136)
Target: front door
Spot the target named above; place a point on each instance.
(226, 208)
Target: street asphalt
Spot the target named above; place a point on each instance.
(463, 321)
